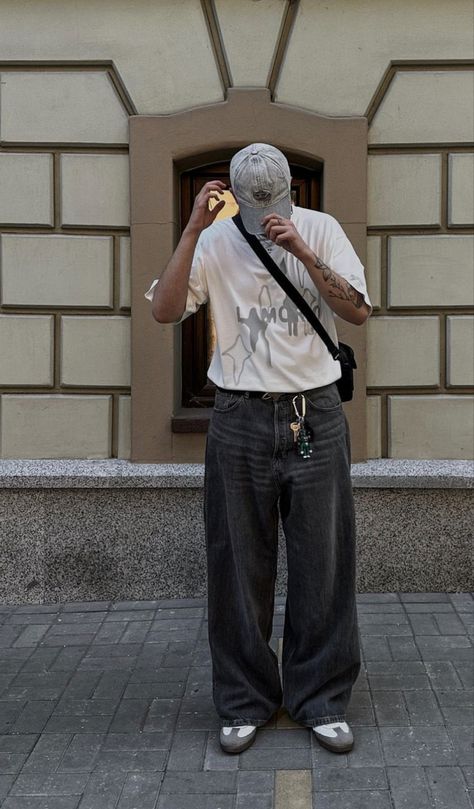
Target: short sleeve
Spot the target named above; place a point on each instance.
(149, 292)
(197, 285)
(345, 261)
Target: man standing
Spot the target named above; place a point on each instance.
(270, 368)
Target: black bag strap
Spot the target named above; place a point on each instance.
(288, 287)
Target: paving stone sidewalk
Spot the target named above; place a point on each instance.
(109, 706)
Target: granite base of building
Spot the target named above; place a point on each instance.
(96, 530)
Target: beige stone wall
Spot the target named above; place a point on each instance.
(64, 263)
(420, 219)
(70, 77)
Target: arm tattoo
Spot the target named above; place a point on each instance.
(340, 288)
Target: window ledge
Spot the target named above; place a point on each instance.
(191, 420)
(384, 473)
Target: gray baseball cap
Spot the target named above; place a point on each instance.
(261, 181)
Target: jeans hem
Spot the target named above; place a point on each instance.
(322, 720)
(243, 721)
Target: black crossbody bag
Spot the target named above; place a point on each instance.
(342, 352)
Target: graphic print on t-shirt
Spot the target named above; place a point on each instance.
(257, 322)
(239, 354)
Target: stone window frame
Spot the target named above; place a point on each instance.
(162, 146)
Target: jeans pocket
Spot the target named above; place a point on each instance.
(325, 400)
(226, 402)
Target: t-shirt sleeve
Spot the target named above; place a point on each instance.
(345, 261)
(197, 285)
(149, 292)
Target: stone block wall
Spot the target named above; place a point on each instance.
(64, 198)
(65, 266)
(421, 257)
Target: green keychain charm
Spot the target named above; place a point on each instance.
(301, 431)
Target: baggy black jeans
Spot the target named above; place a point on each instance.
(252, 473)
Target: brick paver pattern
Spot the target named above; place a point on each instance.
(109, 706)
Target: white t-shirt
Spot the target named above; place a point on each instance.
(263, 341)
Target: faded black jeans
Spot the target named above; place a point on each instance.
(252, 472)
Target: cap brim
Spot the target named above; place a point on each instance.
(252, 217)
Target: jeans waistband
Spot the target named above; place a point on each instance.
(263, 394)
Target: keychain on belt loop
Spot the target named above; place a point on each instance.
(302, 433)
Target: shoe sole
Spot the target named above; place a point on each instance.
(346, 748)
(243, 746)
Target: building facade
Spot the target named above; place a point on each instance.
(113, 113)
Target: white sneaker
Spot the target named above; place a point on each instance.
(336, 736)
(235, 738)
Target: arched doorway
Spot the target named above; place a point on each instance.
(162, 149)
